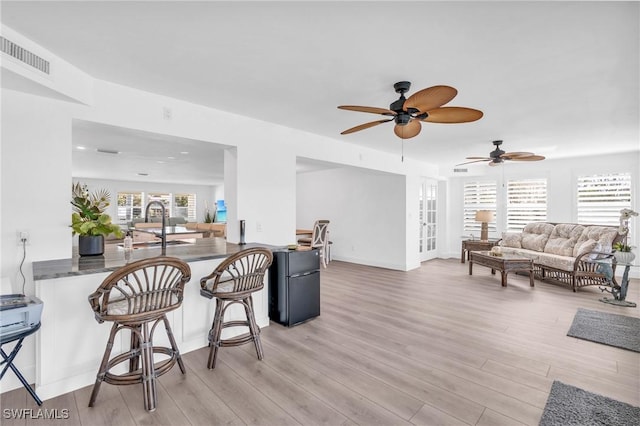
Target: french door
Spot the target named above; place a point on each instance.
(428, 199)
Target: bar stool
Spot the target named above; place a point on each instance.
(319, 239)
(234, 281)
(136, 298)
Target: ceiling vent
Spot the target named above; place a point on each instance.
(24, 55)
(460, 170)
(107, 151)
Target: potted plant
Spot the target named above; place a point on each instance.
(89, 220)
(623, 253)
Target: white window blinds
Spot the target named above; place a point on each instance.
(129, 205)
(480, 195)
(601, 197)
(184, 205)
(155, 210)
(526, 202)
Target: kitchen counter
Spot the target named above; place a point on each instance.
(70, 343)
(116, 256)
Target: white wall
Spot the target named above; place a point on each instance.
(366, 210)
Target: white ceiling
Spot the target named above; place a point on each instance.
(555, 78)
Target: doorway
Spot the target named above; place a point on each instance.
(428, 199)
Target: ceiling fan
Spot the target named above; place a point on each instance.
(498, 156)
(424, 105)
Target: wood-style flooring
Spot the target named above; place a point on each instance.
(433, 346)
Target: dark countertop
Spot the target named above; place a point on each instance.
(115, 257)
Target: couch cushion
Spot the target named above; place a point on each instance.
(527, 254)
(584, 247)
(605, 235)
(563, 239)
(535, 235)
(511, 239)
(556, 261)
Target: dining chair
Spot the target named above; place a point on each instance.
(319, 239)
(137, 298)
(233, 282)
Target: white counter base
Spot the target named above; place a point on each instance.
(70, 343)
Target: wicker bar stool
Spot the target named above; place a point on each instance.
(234, 281)
(136, 298)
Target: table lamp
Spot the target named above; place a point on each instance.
(484, 216)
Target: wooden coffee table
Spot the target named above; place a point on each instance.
(505, 263)
(475, 245)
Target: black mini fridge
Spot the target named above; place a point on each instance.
(294, 286)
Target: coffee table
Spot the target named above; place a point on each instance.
(474, 245)
(504, 263)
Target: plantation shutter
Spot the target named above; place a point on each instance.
(601, 197)
(526, 202)
(480, 195)
(154, 210)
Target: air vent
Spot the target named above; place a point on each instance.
(107, 151)
(460, 170)
(23, 55)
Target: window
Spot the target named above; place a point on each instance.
(129, 205)
(526, 202)
(184, 205)
(478, 196)
(155, 210)
(601, 197)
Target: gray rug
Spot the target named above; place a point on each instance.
(568, 406)
(610, 329)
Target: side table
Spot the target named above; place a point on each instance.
(475, 245)
(620, 292)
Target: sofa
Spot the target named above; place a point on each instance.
(566, 253)
(213, 229)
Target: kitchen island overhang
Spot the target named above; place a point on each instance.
(70, 343)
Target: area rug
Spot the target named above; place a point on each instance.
(568, 406)
(610, 329)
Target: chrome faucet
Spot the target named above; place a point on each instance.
(164, 225)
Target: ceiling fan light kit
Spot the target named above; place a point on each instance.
(425, 105)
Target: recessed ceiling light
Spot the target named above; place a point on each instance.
(171, 158)
(184, 152)
(81, 148)
(107, 151)
(160, 162)
(143, 174)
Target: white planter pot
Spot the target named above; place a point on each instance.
(625, 257)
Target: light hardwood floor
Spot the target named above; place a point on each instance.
(433, 346)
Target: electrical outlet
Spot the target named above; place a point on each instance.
(258, 227)
(22, 237)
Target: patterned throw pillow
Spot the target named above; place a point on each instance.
(586, 247)
(511, 239)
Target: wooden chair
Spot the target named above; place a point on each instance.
(137, 298)
(234, 281)
(319, 239)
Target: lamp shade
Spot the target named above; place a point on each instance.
(484, 216)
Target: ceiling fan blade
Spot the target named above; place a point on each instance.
(479, 158)
(409, 130)
(372, 110)
(495, 163)
(528, 158)
(364, 126)
(474, 161)
(511, 155)
(453, 115)
(430, 98)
